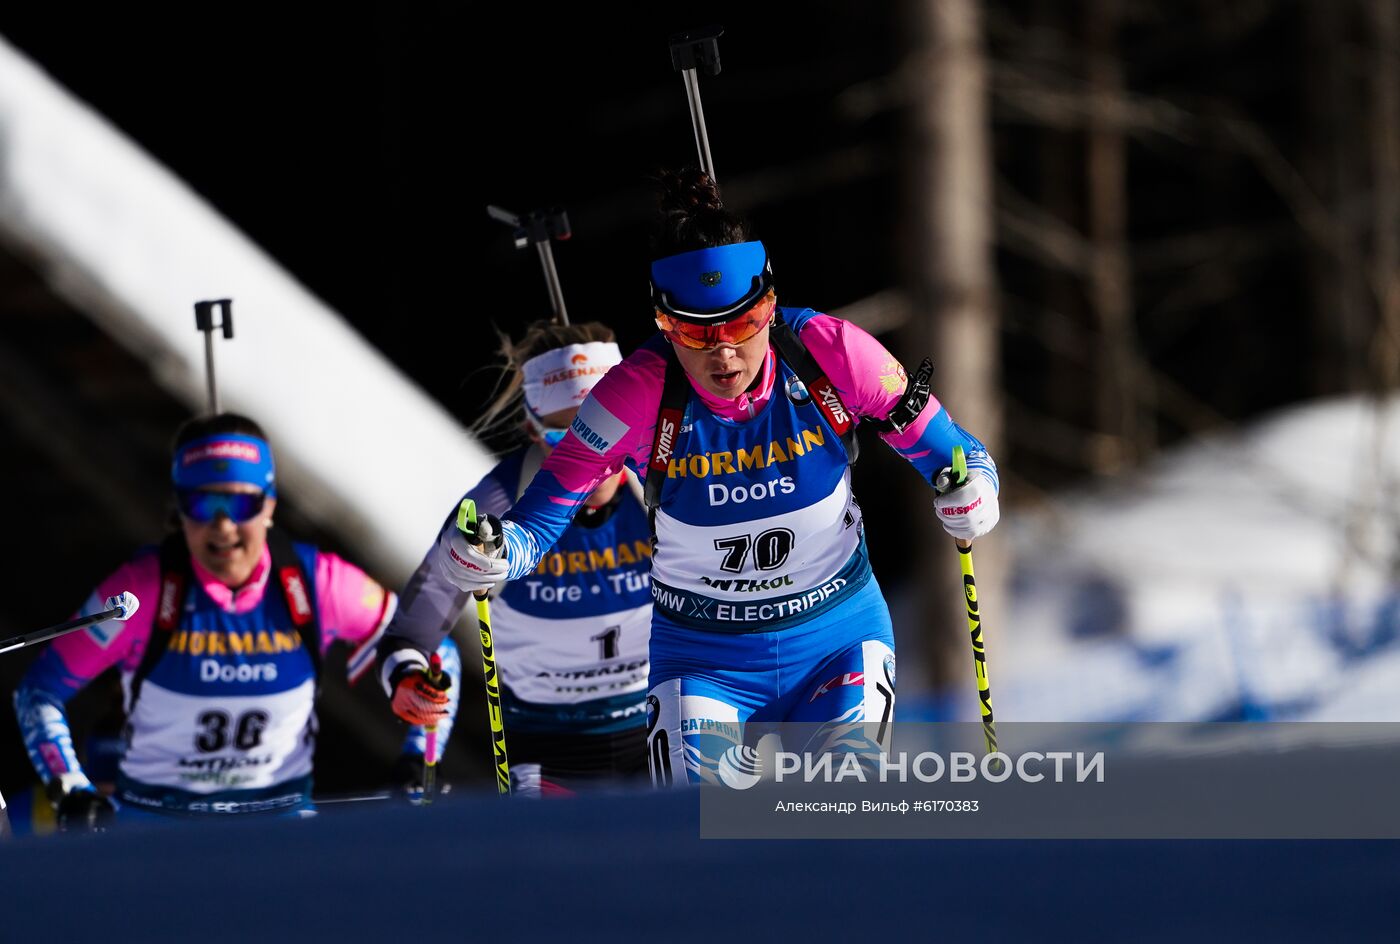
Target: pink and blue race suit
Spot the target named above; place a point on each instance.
(224, 722)
(765, 608)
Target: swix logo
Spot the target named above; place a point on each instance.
(850, 678)
(297, 599)
(225, 449)
(961, 509)
(831, 403)
(665, 441)
(169, 612)
(463, 561)
(579, 359)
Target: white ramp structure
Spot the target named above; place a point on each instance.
(367, 453)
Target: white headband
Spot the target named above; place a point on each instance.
(560, 379)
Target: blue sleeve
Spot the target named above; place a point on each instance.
(537, 522)
(932, 452)
(40, 708)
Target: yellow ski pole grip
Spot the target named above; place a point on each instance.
(466, 516)
(959, 466)
(960, 479)
(466, 523)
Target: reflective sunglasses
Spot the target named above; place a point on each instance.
(552, 435)
(204, 506)
(735, 331)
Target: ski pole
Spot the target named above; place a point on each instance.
(690, 51)
(950, 479)
(466, 522)
(430, 736)
(119, 607)
(539, 227)
(204, 321)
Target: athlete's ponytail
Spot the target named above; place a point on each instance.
(692, 214)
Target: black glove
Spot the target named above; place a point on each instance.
(80, 810)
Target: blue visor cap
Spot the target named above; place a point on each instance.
(222, 458)
(712, 285)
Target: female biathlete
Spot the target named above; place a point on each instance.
(741, 413)
(220, 666)
(571, 635)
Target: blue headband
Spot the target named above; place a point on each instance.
(224, 457)
(713, 284)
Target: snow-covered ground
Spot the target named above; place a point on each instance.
(1248, 575)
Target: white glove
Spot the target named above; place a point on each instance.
(125, 601)
(473, 567)
(970, 510)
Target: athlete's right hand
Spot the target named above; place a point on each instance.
(419, 699)
(85, 809)
(969, 510)
(473, 560)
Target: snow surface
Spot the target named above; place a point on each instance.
(1247, 575)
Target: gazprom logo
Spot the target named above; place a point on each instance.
(597, 428)
(711, 279)
(592, 440)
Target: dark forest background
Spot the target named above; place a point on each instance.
(1112, 224)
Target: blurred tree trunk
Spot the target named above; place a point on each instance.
(1334, 167)
(1121, 390)
(952, 286)
(1385, 205)
(1382, 25)
(1066, 392)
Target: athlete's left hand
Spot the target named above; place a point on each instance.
(473, 562)
(970, 510)
(84, 810)
(417, 698)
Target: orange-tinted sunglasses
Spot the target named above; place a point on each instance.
(735, 331)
